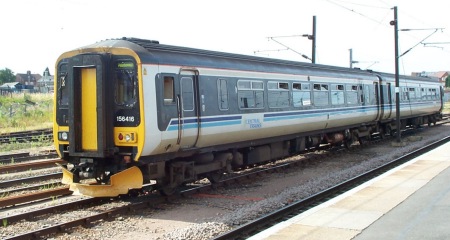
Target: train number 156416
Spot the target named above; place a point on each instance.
(125, 119)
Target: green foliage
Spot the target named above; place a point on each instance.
(447, 82)
(6, 75)
(18, 115)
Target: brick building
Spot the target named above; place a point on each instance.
(28, 79)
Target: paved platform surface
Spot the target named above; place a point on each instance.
(411, 201)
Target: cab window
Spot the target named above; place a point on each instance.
(125, 80)
(63, 94)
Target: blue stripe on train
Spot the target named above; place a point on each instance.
(191, 123)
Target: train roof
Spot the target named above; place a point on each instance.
(391, 76)
(153, 52)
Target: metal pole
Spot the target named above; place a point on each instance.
(351, 58)
(397, 80)
(314, 41)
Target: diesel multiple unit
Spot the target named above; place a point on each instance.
(128, 111)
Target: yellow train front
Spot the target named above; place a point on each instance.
(97, 118)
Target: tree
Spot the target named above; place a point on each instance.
(6, 75)
(447, 82)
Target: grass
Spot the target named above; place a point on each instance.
(25, 112)
(446, 107)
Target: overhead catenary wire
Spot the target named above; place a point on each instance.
(419, 43)
(357, 12)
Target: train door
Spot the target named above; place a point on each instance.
(378, 103)
(87, 118)
(188, 109)
(89, 109)
(387, 96)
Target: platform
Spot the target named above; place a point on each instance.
(412, 201)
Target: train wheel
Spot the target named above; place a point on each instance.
(215, 177)
(348, 142)
(168, 191)
(389, 131)
(363, 140)
(382, 133)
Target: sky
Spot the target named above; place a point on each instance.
(36, 33)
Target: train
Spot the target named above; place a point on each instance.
(130, 112)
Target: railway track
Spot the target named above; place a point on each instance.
(141, 202)
(27, 136)
(35, 196)
(25, 156)
(298, 207)
(136, 204)
(17, 182)
(25, 166)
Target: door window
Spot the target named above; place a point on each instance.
(187, 93)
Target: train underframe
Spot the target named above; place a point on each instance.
(116, 176)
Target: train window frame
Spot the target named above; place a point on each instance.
(301, 94)
(338, 91)
(418, 94)
(252, 90)
(222, 94)
(404, 94)
(412, 93)
(62, 90)
(128, 97)
(168, 90)
(321, 96)
(434, 94)
(278, 94)
(187, 93)
(351, 93)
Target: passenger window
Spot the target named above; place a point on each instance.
(352, 94)
(405, 94)
(223, 94)
(434, 94)
(169, 97)
(337, 94)
(412, 93)
(301, 94)
(278, 94)
(250, 94)
(321, 97)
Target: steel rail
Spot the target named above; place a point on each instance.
(10, 219)
(21, 199)
(16, 182)
(30, 165)
(32, 188)
(23, 157)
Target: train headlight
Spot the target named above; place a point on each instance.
(126, 137)
(63, 136)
